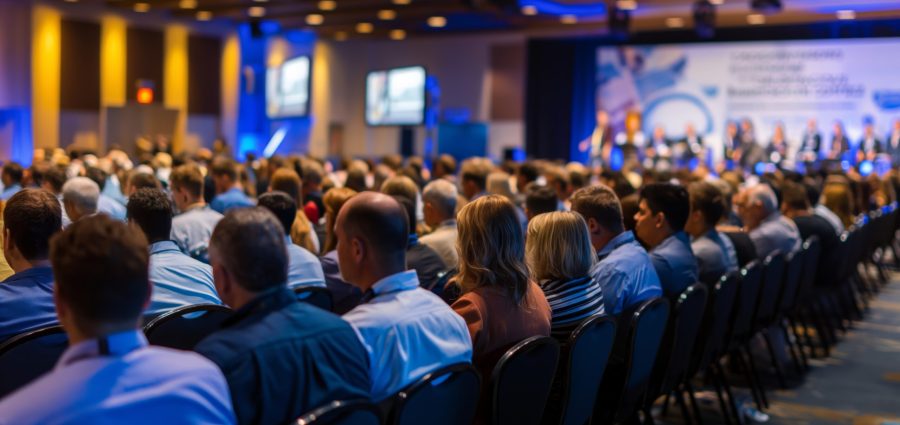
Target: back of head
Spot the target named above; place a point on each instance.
(32, 216)
(288, 181)
(224, 167)
(313, 173)
(528, 171)
(558, 247)
(140, 180)
(82, 193)
(443, 196)
(708, 199)
(97, 175)
(400, 186)
(476, 170)
(55, 177)
(631, 204)
(152, 211)
(601, 204)
(249, 243)
(671, 200)
(540, 200)
(100, 271)
(356, 178)
(14, 172)
(498, 184)
(447, 164)
(765, 196)
(282, 206)
(189, 178)
(334, 199)
(491, 247)
(409, 207)
(793, 196)
(380, 221)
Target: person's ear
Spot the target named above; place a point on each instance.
(659, 219)
(149, 295)
(7, 241)
(358, 249)
(593, 226)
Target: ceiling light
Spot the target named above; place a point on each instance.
(716, 2)
(204, 15)
(314, 19)
(260, 1)
(340, 36)
(626, 4)
(529, 10)
(675, 22)
(364, 27)
(437, 22)
(387, 15)
(256, 12)
(397, 34)
(568, 19)
(187, 4)
(327, 5)
(846, 15)
(401, 2)
(141, 7)
(71, 1)
(756, 19)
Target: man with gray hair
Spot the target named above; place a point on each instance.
(439, 199)
(757, 207)
(80, 197)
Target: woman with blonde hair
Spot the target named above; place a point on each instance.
(837, 198)
(559, 253)
(500, 302)
(288, 181)
(344, 295)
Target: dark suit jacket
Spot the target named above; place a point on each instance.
(743, 246)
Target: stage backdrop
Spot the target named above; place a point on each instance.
(768, 82)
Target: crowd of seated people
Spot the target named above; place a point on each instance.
(426, 267)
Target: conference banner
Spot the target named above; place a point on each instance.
(770, 83)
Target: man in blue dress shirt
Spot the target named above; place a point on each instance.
(407, 330)
(304, 268)
(30, 218)
(282, 358)
(105, 204)
(624, 271)
(715, 253)
(109, 374)
(178, 280)
(80, 197)
(12, 179)
(192, 228)
(663, 209)
(229, 193)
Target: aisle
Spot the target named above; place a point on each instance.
(860, 383)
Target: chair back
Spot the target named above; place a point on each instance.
(520, 383)
(588, 349)
(793, 274)
(315, 295)
(773, 278)
(448, 396)
(745, 307)
(679, 342)
(350, 412)
(183, 327)
(810, 274)
(717, 318)
(25, 357)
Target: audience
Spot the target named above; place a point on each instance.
(408, 331)
(109, 374)
(560, 256)
(540, 200)
(11, 176)
(192, 228)
(714, 251)
(439, 199)
(229, 192)
(30, 218)
(281, 358)
(304, 268)
(624, 271)
(80, 196)
(769, 230)
(663, 209)
(178, 280)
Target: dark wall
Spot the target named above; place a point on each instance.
(204, 75)
(145, 55)
(79, 86)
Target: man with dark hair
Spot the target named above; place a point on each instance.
(526, 174)
(625, 272)
(105, 204)
(420, 257)
(54, 179)
(714, 251)
(407, 330)
(304, 268)
(473, 177)
(178, 280)
(795, 206)
(30, 218)
(540, 200)
(282, 358)
(229, 193)
(12, 180)
(109, 374)
(813, 194)
(445, 168)
(139, 179)
(659, 223)
(192, 228)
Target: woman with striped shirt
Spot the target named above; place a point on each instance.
(559, 253)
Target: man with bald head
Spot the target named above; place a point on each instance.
(407, 330)
(757, 207)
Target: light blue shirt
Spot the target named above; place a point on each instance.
(133, 384)
(178, 280)
(232, 198)
(111, 207)
(715, 255)
(26, 302)
(408, 332)
(675, 264)
(775, 232)
(66, 221)
(192, 229)
(625, 273)
(113, 189)
(10, 191)
(304, 268)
